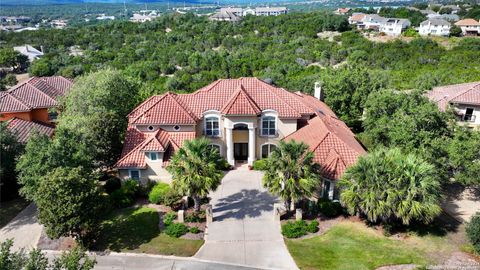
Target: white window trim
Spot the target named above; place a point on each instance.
(219, 148)
(261, 148)
(130, 173)
(211, 115)
(150, 156)
(269, 113)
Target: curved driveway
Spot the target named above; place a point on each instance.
(243, 230)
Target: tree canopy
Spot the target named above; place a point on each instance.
(10, 150)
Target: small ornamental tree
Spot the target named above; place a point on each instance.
(68, 204)
(473, 232)
(291, 172)
(194, 170)
(387, 185)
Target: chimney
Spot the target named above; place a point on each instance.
(318, 91)
(41, 48)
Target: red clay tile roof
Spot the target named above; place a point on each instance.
(241, 104)
(358, 17)
(467, 22)
(37, 92)
(333, 144)
(464, 93)
(24, 129)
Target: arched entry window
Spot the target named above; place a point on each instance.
(267, 149)
(215, 146)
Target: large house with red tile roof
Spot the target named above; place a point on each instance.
(244, 118)
(463, 99)
(29, 105)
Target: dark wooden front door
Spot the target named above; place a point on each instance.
(240, 151)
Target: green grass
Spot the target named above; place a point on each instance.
(9, 209)
(352, 246)
(136, 230)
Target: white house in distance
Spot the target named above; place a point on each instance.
(434, 27)
(470, 27)
(463, 98)
(356, 18)
(371, 21)
(394, 26)
(29, 51)
(235, 13)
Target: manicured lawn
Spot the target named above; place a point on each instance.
(352, 246)
(9, 209)
(136, 230)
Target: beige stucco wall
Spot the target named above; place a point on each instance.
(461, 109)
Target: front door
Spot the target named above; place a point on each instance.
(240, 151)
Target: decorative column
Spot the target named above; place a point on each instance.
(229, 139)
(251, 145)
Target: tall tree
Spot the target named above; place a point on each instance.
(387, 185)
(464, 156)
(291, 172)
(68, 204)
(10, 150)
(10, 58)
(194, 170)
(97, 106)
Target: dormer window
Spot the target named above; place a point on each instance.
(153, 156)
(150, 128)
(212, 126)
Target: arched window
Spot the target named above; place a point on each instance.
(267, 149)
(212, 126)
(215, 146)
(269, 125)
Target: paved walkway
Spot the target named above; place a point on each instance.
(24, 229)
(462, 203)
(244, 231)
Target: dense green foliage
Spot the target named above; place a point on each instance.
(68, 204)
(126, 195)
(291, 172)
(387, 185)
(464, 156)
(329, 208)
(75, 259)
(415, 17)
(473, 232)
(157, 194)
(10, 150)
(176, 229)
(194, 170)
(295, 229)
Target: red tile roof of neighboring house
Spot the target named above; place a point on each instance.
(333, 144)
(464, 93)
(357, 17)
(37, 92)
(467, 22)
(24, 129)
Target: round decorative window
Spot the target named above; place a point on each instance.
(150, 128)
(176, 128)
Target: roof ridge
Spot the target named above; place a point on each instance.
(131, 151)
(240, 91)
(183, 106)
(19, 100)
(461, 93)
(37, 89)
(270, 87)
(161, 97)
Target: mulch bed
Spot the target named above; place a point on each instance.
(63, 243)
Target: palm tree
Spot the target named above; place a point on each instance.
(388, 185)
(194, 170)
(291, 172)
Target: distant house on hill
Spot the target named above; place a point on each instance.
(29, 51)
(356, 18)
(470, 27)
(463, 99)
(434, 27)
(234, 14)
(225, 16)
(394, 26)
(29, 105)
(342, 11)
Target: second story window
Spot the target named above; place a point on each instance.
(153, 156)
(212, 126)
(269, 126)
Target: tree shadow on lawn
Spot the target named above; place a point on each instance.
(246, 203)
(127, 229)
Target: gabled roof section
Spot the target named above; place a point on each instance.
(241, 104)
(333, 144)
(467, 22)
(23, 129)
(456, 93)
(164, 110)
(9, 103)
(471, 96)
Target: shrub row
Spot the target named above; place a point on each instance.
(295, 229)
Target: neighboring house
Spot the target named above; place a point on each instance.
(463, 99)
(455, 9)
(32, 99)
(270, 11)
(447, 17)
(103, 17)
(434, 27)
(429, 13)
(29, 51)
(470, 27)
(236, 11)
(356, 18)
(394, 26)
(371, 21)
(224, 16)
(23, 129)
(244, 119)
(144, 17)
(59, 24)
(342, 11)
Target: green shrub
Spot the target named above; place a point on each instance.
(195, 217)
(312, 227)
(329, 208)
(171, 198)
(294, 229)
(168, 218)
(176, 230)
(144, 190)
(112, 184)
(194, 230)
(473, 232)
(260, 165)
(120, 198)
(223, 165)
(158, 192)
(130, 187)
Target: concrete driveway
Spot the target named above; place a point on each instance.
(244, 231)
(24, 229)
